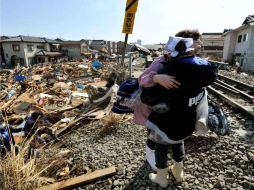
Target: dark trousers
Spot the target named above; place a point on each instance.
(161, 151)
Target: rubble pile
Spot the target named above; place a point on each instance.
(53, 96)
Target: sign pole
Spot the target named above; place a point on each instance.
(124, 48)
(130, 10)
(130, 65)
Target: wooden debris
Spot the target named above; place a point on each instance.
(72, 123)
(60, 91)
(80, 179)
(98, 114)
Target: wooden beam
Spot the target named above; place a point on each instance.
(73, 122)
(80, 179)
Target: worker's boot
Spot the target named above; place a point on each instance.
(177, 170)
(150, 157)
(161, 178)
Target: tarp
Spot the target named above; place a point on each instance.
(20, 77)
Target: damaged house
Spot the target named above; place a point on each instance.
(99, 45)
(120, 47)
(74, 49)
(239, 45)
(28, 50)
(112, 47)
(212, 45)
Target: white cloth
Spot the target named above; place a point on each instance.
(173, 41)
(202, 116)
(150, 157)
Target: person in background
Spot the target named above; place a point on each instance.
(150, 78)
(238, 67)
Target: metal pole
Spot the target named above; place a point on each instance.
(130, 65)
(124, 48)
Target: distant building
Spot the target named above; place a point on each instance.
(154, 47)
(111, 47)
(99, 45)
(213, 45)
(120, 46)
(74, 49)
(141, 49)
(239, 45)
(2, 58)
(28, 50)
(139, 42)
(114, 47)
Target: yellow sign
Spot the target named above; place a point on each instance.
(130, 10)
(131, 5)
(128, 23)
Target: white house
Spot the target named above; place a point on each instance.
(28, 50)
(239, 45)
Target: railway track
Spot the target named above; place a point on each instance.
(235, 93)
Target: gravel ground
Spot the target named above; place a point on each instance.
(212, 162)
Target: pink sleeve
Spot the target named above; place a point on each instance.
(146, 78)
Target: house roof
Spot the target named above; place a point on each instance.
(237, 29)
(154, 47)
(6, 37)
(60, 39)
(212, 33)
(72, 42)
(98, 42)
(140, 48)
(30, 39)
(51, 41)
(249, 19)
(14, 39)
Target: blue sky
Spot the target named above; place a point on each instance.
(155, 20)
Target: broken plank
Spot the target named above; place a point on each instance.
(80, 179)
(73, 122)
(98, 114)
